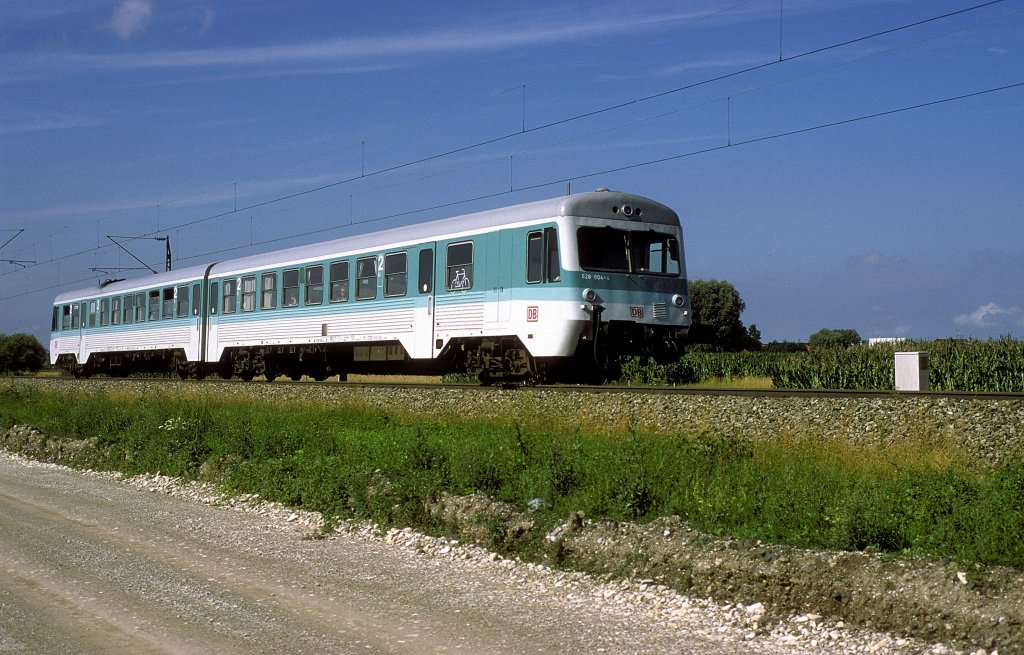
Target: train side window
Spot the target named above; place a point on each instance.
(129, 309)
(154, 305)
(140, 308)
(214, 298)
(55, 319)
(290, 288)
(230, 296)
(197, 298)
(249, 293)
(534, 257)
(553, 267)
(339, 282)
(396, 274)
(269, 288)
(92, 313)
(75, 313)
(182, 298)
(66, 317)
(115, 310)
(104, 312)
(314, 285)
(459, 266)
(426, 270)
(168, 298)
(366, 278)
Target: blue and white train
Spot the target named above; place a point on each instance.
(555, 290)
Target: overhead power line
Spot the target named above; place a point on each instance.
(607, 171)
(538, 128)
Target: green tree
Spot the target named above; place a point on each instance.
(829, 338)
(716, 316)
(21, 353)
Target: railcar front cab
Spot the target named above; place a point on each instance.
(632, 283)
(612, 269)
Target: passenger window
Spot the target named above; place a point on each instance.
(314, 285)
(115, 310)
(129, 309)
(55, 319)
(168, 295)
(459, 266)
(75, 313)
(249, 293)
(197, 298)
(426, 270)
(290, 288)
(396, 275)
(66, 317)
(154, 305)
(269, 299)
(183, 301)
(230, 303)
(140, 308)
(104, 312)
(366, 278)
(339, 282)
(92, 313)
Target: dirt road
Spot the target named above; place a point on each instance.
(92, 565)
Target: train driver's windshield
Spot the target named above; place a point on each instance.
(628, 251)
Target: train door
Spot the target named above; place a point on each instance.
(423, 320)
(208, 318)
(78, 314)
(498, 302)
(194, 293)
(459, 293)
(213, 299)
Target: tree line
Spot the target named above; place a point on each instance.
(717, 325)
(21, 353)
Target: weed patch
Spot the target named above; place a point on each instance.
(365, 463)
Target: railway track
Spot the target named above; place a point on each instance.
(434, 383)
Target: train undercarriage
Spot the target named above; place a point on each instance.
(494, 360)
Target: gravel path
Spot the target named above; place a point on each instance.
(93, 563)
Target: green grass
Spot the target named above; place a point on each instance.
(917, 498)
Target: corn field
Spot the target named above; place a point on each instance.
(969, 366)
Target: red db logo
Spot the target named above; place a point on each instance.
(532, 314)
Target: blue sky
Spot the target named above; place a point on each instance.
(242, 127)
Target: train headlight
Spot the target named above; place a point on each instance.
(678, 301)
(589, 295)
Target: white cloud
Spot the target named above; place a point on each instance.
(989, 315)
(131, 17)
(206, 16)
(48, 122)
